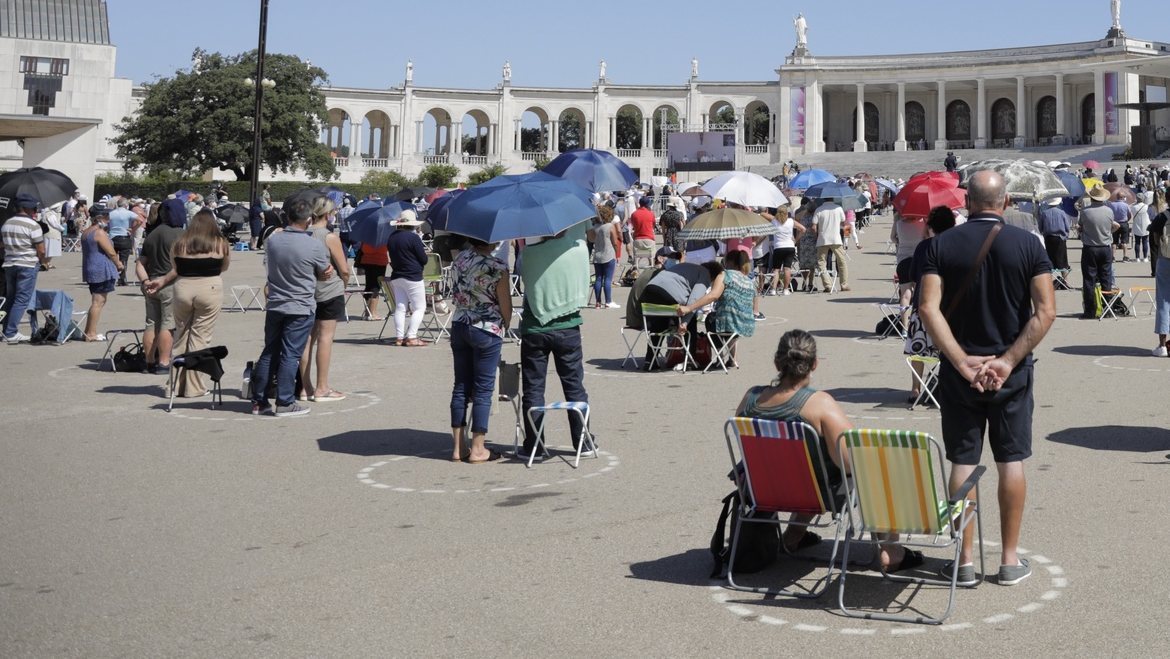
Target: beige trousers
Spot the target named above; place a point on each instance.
(838, 259)
(197, 304)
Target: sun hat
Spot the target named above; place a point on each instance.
(408, 219)
(1099, 193)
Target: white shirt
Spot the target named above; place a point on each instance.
(828, 220)
(783, 238)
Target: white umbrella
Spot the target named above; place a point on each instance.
(746, 189)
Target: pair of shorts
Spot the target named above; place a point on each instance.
(783, 257)
(1121, 236)
(762, 264)
(903, 271)
(102, 287)
(1006, 414)
(160, 309)
(331, 309)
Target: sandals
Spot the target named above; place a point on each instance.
(492, 457)
(330, 395)
(413, 343)
(910, 560)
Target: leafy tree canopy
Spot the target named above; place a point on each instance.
(438, 175)
(486, 174)
(201, 120)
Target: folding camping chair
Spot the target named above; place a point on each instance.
(832, 272)
(207, 360)
(388, 294)
(1108, 300)
(631, 346)
(722, 346)
(434, 278)
(581, 409)
(246, 296)
(508, 390)
(1139, 294)
(660, 342)
(927, 381)
(897, 478)
(892, 313)
(111, 338)
(779, 467)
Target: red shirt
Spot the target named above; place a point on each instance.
(642, 222)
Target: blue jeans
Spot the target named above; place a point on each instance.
(1162, 297)
(604, 280)
(565, 347)
(1141, 246)
(285, 336)
(477, 354)
(20, 284)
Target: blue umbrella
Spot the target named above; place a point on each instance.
(1076, 190)
(596, 171)
(439, 211)
(809, 178)
(887, 184)
(849, 198)
(510, 207)
(371, 223)
(335, 194)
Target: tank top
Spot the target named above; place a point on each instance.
(602, 244)
(332, 287)
(198, 266)
(789, 410)
(783, 235)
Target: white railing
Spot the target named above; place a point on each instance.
(475, 160)
(660, 154)
(629, 153)
(375, 163)
(755, 149)
(434, 160)
(533, 156)
(340, 162)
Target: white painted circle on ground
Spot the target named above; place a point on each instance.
(590, 467)
(241, 409)
(1100, 361)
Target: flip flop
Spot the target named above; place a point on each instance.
(492, 457)
(910, 560)
(415, 343)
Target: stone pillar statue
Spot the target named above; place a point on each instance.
(409, 71)
(1115, 9)
(507, 71)
(694, 67)
(601, 70)
(801, 26)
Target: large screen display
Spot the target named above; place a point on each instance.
(709, 151)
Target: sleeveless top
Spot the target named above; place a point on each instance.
(198, 266)
(332, 287)
(603, 251)
(733, 309)
(790, 410)
(96, 267)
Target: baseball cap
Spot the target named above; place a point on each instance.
(26, 200)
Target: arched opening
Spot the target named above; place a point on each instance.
(629, 127)
(671, 124)
(534, 131)
(570, 130)
(1046, 117)
(721, 116)
(335, 133)
(915, 122)
(474, 134)
(1088, 117)
(759, 123)
(871, 123)
(436, 132)
(376, 135)
(958, 121)
(1003, 120)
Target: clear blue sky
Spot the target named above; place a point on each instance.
(463, 43)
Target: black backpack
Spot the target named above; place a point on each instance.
(759, 544)
(46, 333)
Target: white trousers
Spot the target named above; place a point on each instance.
(412, 293)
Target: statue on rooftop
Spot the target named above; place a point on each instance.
(801, 26)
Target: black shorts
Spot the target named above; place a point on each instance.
(903, 271)
(331, 309)
(1006, 414)
(783, 257)
(1122, 235)
(762, 264)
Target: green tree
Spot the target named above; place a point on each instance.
(438, 175)
(486, 174)
(671, 120)
(629, 129)
(540, 163)
(531, 140)
(201, 120)
(724, 115)
(570, 133)
(390, 181)
(757, 125)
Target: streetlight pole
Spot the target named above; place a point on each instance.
(260, 49)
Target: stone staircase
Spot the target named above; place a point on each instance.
(904, 164)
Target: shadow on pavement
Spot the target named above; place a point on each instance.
(841, 334)
(1134, 439)
(394, 441)
(155, 390)
(1103, 351)
(881, 396)
(858, 300)
(615, 364)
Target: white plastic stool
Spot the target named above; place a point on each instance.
(570, 407)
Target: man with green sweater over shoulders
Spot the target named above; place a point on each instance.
(555, 272)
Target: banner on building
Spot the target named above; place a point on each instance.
(796, 117)
(1112, 124)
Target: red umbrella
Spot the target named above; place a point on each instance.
(927, 190)
(1121, 192)
(430, 199)
(1092, 164)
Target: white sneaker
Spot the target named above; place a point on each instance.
(613, 305)
(17, 338)
(1160, 351)
(788, 291)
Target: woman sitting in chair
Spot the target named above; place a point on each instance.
(791, 398)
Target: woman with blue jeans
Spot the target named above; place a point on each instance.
(483, 306)
(605, 239)
(1161, 282)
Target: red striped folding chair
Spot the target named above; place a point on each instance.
(783, 471)
(899, 486)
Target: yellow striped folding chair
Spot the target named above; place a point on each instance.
(667, 341)
(899, 486)
(780, 468)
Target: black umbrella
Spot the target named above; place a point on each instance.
(232, 213)
(48, 185)
(307, 194)
(407, 194)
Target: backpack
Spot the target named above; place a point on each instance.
(759, 544)
(629, 277)
(885, 327)
(46, 333)
(130, 359)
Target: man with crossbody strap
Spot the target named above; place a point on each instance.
(987, 300)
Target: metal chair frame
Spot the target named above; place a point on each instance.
(581, 409)
(927, 381)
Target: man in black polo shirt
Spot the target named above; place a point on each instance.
(986, 324)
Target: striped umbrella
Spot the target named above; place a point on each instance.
(725, 223)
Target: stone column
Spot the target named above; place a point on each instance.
(981, 114)
(900, 113)
(1021, 140)
(418, 136)
(588, 134)
(706, 122)
(814, 118)
(355, 140)
(516, 135)
(613, 133)
(784, 131)
(1098, 107)
(554, 135)
(1060, 136)
(859, 143)
(491, 139)
(453, 139)
(940, 137)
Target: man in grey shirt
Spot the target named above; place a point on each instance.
(1096, 226)
(295, 262)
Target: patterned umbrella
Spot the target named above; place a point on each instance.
(1024, 180)
(725, 223)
